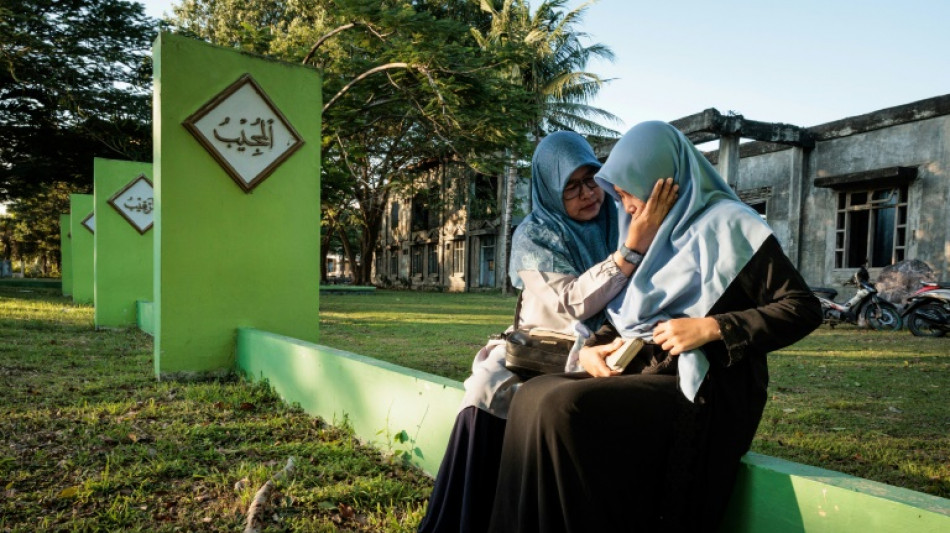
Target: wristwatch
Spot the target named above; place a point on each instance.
(630, 256)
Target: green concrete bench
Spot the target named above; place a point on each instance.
(381, 400)
(32, 283)
(347, 289)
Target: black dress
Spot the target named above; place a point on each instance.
(631, 453)
(463, 492)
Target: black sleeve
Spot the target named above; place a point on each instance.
(779, 310)
(605, 335)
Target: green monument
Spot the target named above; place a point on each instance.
(123, 239)
(82, 225)
(65, 255)
(237, 202)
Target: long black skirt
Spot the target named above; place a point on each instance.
(585, 454)
(464, 488)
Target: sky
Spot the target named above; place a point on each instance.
(805, 63)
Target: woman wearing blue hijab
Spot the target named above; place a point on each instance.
(564, 260)
(659, 450)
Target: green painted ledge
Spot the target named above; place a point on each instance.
(780, 496)
(347, 289)
(145, 316)
(32, 283)
(380, 400)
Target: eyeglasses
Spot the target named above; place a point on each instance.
(573, 188)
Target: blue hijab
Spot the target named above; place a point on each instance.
(548, 240)
(700, 248)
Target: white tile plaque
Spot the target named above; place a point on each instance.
(135, 203)
(245, 132)
(90, 222)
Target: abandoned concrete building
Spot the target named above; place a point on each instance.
(443, 235)
(874, 187)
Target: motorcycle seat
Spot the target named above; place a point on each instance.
(937, 284)
(825, 292)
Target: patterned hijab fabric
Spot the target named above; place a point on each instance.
(548, 240)
(700, 248)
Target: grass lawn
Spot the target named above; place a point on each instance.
(871, 404)
(90, 441)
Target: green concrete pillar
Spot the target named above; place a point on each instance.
(66, 255)
(237, 202)
(81, 226)
(123, 240)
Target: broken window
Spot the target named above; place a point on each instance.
(483, 204)
(394, 216)
(487, 262)
(458, 256)
(871, 226)
(416, 264)
(433, 260)
(422, 218)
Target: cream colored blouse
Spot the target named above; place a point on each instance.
(555, 301)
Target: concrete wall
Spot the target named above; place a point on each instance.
(922, 144)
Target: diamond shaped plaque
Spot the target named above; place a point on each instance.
(245, 132)
(90, 222)
(134, 202)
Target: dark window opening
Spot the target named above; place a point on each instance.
(487, 262)
(484, 200)
(433, 259)
(422, 218)
(416, 265)
(871, 226)
(394, 216)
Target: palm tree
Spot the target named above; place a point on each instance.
(548, 58)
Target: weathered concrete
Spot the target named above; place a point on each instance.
(905, 144)
(729, 159)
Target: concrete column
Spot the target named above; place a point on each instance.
(729, 159)
(796, 212)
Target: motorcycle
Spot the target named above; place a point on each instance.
(928, 310)
(865, 306)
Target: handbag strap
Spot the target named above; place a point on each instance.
(517, 321)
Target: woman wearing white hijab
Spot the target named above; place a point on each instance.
(563, 259)
(659, 450)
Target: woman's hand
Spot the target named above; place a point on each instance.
(592, 358)
(647, 221)
(683, 334)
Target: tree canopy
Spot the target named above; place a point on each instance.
(405, 87)
(75, 80)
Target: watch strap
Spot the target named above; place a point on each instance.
(630, 256)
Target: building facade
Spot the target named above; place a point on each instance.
(874, 187)
(443, 234)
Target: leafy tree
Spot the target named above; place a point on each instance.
(33, 227)
(74, 84)
(406, 87)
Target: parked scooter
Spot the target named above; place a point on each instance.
(874, 311)
(927, 312)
